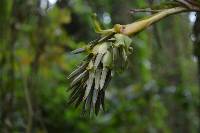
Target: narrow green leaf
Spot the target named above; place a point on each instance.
(107, 81)
(77, 71)
(94, 99)
(124, 54)
(97, 105)
(97, 79)
(103, 77)
(89, 84)
(80, 99)
(78, 78)
(98, 60)
(102, 96)
(77, 51)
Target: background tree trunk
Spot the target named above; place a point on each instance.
(7, 73)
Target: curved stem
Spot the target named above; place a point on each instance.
(135, 27)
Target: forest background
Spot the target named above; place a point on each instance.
(158, 92)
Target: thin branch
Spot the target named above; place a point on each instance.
(144, 10)
(155, 29)
(185, 3)
(191, 4)
(29, 107)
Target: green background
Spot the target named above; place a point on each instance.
(157, 93)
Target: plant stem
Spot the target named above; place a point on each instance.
(135, 27)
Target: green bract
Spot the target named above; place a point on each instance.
(107, 60)
(121, 49)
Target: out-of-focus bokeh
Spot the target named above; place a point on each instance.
(158, 93)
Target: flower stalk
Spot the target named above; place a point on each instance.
(135, 27)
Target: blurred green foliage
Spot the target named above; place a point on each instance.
(157, 93)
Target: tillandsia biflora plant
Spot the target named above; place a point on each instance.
(92, 77)
(108, 55)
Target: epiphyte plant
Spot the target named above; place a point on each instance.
(91, 78)
(108, 55)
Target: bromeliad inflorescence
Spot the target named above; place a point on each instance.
(89, 81)
(108, 55)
